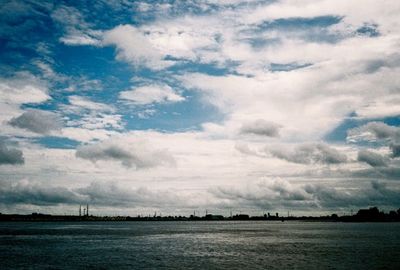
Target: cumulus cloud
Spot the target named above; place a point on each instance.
(22, 88)
(308, 96)
(38, 121)
(149, 94)
(306, 65)
(113, 194)
(261, 127)
(135, 153)
(377, 131)
(272, 194)
(309, 154)
(165, 43)
(374, 131)
(134, 47)
(10, 155)
(264, 194)
(372, 158)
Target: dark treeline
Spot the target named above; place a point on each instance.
(363, 215)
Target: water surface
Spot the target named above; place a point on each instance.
(199, 245)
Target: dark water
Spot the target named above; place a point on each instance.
(199, 245)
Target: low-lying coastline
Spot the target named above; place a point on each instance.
(363, 215)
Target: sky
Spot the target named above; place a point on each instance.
(249, 106)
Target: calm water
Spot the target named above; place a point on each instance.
(199, 245)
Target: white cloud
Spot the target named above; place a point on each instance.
(133, 46)
(189, 38)
(149, 94)
(384, 15)
(376, 132)
(328, 73)
(81, 38)
(77, 30)
(380, 107)
(319, 97)
(147, 113)
(98, 120)
(23, 88)
(199, 164)
(87, 135)
(79, 103)
(358, 74)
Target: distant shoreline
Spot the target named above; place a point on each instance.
(363, 215)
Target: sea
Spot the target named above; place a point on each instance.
(199, 245)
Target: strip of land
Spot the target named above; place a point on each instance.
(363, 215)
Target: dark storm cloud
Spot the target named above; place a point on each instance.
(388, 173)
(42, 122)
(395, 148)
(139, 157)
(278, 194)
(309, 153)
(377, 194)
(10, 155)
(392, 172)
(261, 127)
(371, 158)
(36, 194)
(109, 194)
(100, 194)
(94, 153)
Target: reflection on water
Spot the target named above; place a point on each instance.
(199, 245)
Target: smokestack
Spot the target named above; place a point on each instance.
(87, 210)
(80, 210)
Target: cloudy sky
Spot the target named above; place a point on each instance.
(175, 106)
